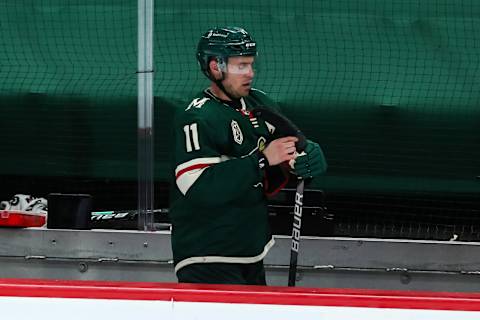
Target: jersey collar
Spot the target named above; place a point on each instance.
(238, 104)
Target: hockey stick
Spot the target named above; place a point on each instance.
(284, 127)
(120, 214)
(127, 219)
(297, 225)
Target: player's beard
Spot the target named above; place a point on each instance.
(239, 91)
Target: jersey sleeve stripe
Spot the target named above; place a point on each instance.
(193, 162)
(193, 167)
(188, 178)
(188, 172)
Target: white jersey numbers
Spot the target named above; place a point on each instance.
(191, 137)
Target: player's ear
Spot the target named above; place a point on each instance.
(213, 65)
(215, 69)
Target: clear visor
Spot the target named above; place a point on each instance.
(240, 68)
(241, 65)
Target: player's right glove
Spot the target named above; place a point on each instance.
(311, 163)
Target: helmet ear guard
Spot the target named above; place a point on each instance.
(222, 64)
(217, 64)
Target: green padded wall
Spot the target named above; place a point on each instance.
(389, 88)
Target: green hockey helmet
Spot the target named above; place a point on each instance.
(222, 43)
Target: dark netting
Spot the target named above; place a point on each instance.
(390, 89)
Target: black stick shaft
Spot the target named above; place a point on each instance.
(297, 225)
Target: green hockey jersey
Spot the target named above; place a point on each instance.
(219, 208)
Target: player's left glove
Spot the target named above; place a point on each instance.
(310, 163)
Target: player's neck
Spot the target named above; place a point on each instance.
(235, 103)
(215, 89)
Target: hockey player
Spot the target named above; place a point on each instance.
(226, 161)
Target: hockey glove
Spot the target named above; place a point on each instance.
(310, 163)
(283, 127)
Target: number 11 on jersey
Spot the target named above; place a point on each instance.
(191, 137)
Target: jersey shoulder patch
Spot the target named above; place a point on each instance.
(200, 109)
(197, 103)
